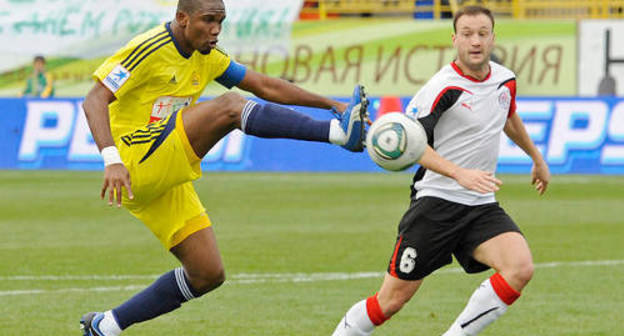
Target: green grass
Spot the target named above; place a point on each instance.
(53, 224)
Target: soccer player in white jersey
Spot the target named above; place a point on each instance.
(464, 108)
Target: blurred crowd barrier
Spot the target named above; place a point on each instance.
(521, 9)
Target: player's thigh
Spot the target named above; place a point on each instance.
(158, 157)
(174, 216)
(492, 240)
(506, 251)
(207, 122)
(428, 234)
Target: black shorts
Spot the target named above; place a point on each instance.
(433, 229)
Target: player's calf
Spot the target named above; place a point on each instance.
(167, 293)
(489, 302)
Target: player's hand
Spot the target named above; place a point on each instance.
(478, 180)
(540, 177)
(116, 177)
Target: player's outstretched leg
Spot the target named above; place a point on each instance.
(206, 123)
(275, 121)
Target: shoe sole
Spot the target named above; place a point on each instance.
(85, 324)
(363, 114)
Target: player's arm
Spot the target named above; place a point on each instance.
(473, 179)
(540, 174)
(49, 86)
(283, 92)
(116, 175)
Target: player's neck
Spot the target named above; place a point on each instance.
(479, 73)
(178, 35)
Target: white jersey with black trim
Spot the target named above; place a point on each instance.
(464, 118)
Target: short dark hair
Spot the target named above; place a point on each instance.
(39, 58)
(472, 11)
(188, 6)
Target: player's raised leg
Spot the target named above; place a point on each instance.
(206, 123)
(510, 256)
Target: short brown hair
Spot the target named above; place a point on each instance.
(472, 11)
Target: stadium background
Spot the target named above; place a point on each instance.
(304, 241)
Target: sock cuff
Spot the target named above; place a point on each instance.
(374, 311)
(183, 285)
(249, 106)
(112, 322)
(505, 292)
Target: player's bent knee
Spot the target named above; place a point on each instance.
(231, 104)
(524, 272)
(208, 280)
(519, 274)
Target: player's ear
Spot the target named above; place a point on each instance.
(182, 19)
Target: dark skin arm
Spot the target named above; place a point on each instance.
(116, 176)
(283, 92)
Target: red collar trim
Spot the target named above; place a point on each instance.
(461, 73)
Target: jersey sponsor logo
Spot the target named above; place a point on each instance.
(167, 105)
(116, 78)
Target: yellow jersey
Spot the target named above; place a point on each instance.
(152, 77)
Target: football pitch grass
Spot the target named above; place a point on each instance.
(299, 250)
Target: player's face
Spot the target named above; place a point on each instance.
(38, 66)
(204, 26)
(473, 41)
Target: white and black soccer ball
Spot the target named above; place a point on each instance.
(395, 141)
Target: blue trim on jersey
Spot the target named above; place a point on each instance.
(163, 40)
(144, 56)
(175, 42)
(161, 138)
(233, 75)
(123, 63)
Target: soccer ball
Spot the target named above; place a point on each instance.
(395, 141)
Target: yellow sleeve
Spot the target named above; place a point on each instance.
(49, 85)
(220, 62)
(117, 76)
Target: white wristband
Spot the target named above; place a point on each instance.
(111, 156)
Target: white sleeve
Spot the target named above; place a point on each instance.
(420, 105)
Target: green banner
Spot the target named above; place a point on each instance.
(389, 56)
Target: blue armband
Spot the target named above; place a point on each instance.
(233, 75)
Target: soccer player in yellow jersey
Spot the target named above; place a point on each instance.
(152, 135)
